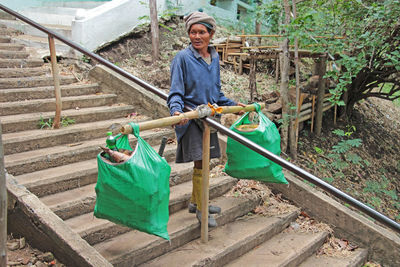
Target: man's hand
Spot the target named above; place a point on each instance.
(183, 121)
(242, 111)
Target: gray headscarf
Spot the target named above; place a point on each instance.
(200, 18)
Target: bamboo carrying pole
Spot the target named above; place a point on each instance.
(168, 121)
(205, 183)
(3, 206)
(56, 78)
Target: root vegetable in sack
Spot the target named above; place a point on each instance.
(115, 156)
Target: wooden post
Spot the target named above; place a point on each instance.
(312, 113)
(205, 183)
(252, 77)
(56, 78)
(293, 150)
(155, 36)
(320, 95)
(3, 206)
(285, 65)
(240, 65)
(277, 68)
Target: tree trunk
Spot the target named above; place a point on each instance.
(285, 61)
(258, 31)
(155, 37)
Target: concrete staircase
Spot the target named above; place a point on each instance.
(59, 167)
(57, 17)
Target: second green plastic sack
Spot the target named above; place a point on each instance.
(135, 193)
(244, 163)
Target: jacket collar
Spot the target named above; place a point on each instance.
(211, 49)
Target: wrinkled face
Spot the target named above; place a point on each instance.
(199, 36)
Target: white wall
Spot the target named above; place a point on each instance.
(107, 22)
(23, 4)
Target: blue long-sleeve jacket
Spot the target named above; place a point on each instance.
(194, 82)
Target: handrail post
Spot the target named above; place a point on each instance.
(56, 78)
(205, 183)
(3, 206)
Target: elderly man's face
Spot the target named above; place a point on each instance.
(200, 37)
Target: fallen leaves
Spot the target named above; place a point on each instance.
(271, 204)
(335, 247)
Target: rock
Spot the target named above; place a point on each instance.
(178, 44)
(40, 264)
(34, 260)
(48, 257)
(147, 59)
(13, 245)
(22, 242)
(83, 66)
(184, 40)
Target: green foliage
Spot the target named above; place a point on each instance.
(345, 145)
(318, 150)
(45, 123)
(328, 179)
(65, 121)
(172, 9)
(369, 57)
(379, 188)
(310, 184)
(48, 123)
(340, 157)
(85, 59)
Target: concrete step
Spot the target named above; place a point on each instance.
(25, 72)
(226, 243)
(19, 26)
(25, 82)
(41, 45)
(11, 47)
(48, 104)
(355, 259)
(30, 121)
(5, 39)
(284, 249)
(95, 230)
(21, 63)
(9, 32)
(81, 150)
(69, 176)
(22, 94)
(134, 248)
(13, 54)
(44, 138)
(5, 31)
(82, 200)
(5, 15)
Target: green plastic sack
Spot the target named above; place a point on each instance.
(135, 193)
(244, 163)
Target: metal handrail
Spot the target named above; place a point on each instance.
(244, 141)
